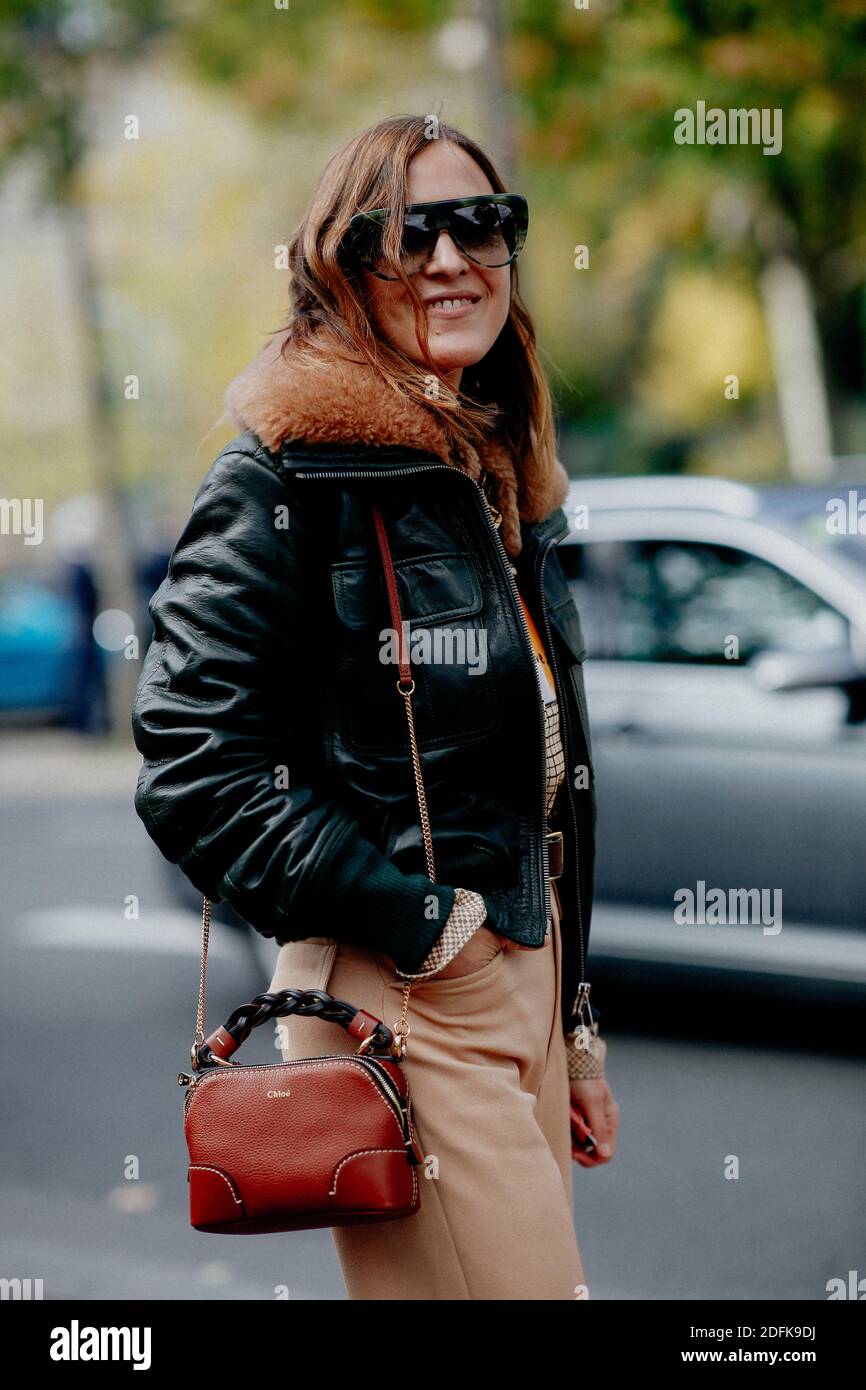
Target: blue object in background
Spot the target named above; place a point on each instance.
(38, 639)
(51, 669)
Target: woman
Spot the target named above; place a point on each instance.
(277, 768)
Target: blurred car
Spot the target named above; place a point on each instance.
(725, 629)
(52, 671)
(745, 772)
(38, 641)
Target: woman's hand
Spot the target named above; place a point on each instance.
(482, 946)
(594, 1108)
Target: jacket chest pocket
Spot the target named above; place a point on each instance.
(441, 600)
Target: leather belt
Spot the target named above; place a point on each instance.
(554, 853)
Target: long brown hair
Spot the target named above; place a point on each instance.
(506, 391)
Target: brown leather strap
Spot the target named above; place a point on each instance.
(393, 595)
(405, 684)
(362, 1025)
(554, 854)
(221, 1043)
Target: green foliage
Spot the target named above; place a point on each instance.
(678, 234)
(47, 49)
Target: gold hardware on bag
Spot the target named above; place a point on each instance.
(401, 1028)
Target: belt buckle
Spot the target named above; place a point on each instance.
(554, 836)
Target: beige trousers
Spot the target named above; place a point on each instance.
(487, 1072)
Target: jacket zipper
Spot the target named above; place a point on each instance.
(515, 594)
(568, 753)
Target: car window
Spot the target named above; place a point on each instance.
(681, 601)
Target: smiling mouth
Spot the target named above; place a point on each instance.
(451, 306)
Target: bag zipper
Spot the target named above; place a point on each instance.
(325, 472)
(369, 1064)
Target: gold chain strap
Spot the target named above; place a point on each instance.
(199, 1014)
(405, 687)
(419, 783)
(402, 1028)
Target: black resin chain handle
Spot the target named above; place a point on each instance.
(306, 1003)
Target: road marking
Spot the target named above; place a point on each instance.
(91, 927)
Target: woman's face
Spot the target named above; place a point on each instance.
(460, 333)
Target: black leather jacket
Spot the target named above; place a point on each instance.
(276, 766)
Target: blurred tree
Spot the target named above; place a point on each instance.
(600, 86)
(582, 97)
(50, 53)
(681, 237)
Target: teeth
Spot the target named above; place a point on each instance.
(449, 303)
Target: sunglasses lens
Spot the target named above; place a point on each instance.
(488, 232)
(419, 241)
(417, 244)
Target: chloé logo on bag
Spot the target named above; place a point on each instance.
(278, 1095)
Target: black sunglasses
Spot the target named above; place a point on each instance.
(489, 228)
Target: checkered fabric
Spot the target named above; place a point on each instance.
(469, 910)
(465, 917)
(585, 1064)
(555, 753)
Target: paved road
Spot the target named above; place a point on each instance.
(97, 1014)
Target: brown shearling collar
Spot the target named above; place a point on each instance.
(338, 402)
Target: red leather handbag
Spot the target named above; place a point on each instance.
(319, 1141)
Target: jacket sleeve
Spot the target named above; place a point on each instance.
(234, 787)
